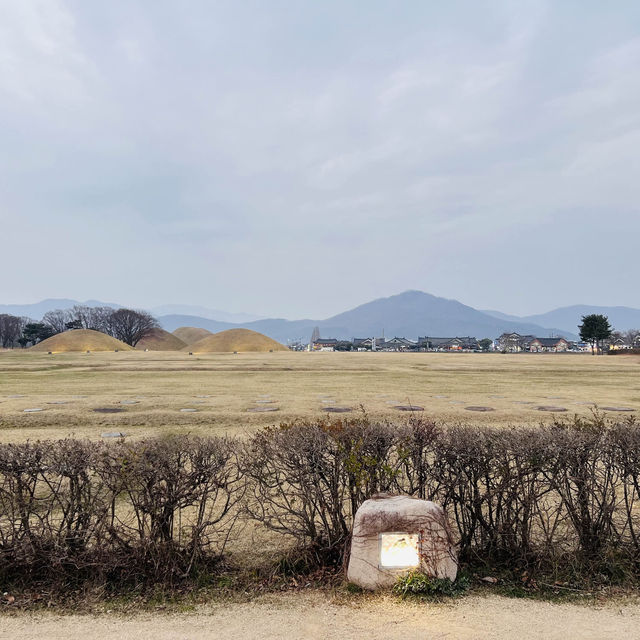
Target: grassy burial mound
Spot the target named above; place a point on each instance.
(189, 335)
(161, 340)
(81, 340)
(241, 340)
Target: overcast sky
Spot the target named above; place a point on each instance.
(296, 158)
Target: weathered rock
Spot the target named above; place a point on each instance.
(393, 535)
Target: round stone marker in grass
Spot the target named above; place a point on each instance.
(264, 401)
(16, 396)
(262, 409)
(188, 410)
(113, 434)
(337, 409)
(34, 410)
(552, 409)
(128, 402)
(408, 407)
(57, 402)
(621, 409)
(203, 396)
(440, 396)
(480, 409)
(108, 410)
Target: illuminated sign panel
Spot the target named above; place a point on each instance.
(399, 550)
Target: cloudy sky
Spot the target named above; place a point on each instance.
(298, 158)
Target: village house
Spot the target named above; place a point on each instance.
(396, 344)
(555, 345)
(513, 342)
(324, 344)
(516, 343)
(466, 343)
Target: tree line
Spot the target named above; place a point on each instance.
(127, 325)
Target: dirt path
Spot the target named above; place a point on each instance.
(316, 617)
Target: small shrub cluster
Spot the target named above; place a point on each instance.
(559, 500)
(421, 585)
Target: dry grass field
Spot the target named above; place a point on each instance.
(148, 393)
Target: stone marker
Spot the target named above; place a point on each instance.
(188, 410)
(262, 409)
(113, 434)
(408, 407)
(337, 409)
(108, 410)
(624, 409)
(128, 402)
(552, 409)
(393, 535)
(479, 409)
(34, 410)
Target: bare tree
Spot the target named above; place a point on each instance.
(131, 326)
(57, 319)
(95, 318)
(10, 329)
(632, 337)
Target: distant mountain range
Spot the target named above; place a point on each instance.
(38, 309)
(568, 318)
(409, 314)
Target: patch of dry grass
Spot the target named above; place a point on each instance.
(300, 384)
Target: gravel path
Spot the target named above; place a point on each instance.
(315, 616)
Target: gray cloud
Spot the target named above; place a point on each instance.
(296, 158)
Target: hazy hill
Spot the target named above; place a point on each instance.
(38, 309)
(203, 312)
(407, 314)
(568, 318)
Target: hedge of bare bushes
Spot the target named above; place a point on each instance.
(150, 511)
(556, 499)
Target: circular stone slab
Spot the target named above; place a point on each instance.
(57, 402)
(265, 401)
(440, 396)
(188, 410)
(34, 410)
(108, 410)
(408, 407)
(261, 409)
(128, 402)
(203, 396)
(473, 408)
(337, 409)
(625, 409)
(16, 396)
(113, 434)
(552, 409)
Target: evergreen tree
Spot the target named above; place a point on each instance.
(594, 329)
